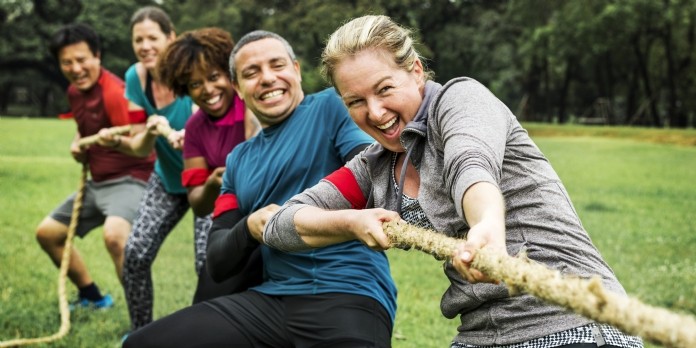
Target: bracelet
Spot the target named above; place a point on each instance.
(118, 142)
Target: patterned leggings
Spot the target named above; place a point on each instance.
(157, 215)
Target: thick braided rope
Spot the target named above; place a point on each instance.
(584, 296)
(164, 130)
(64, 263)
(92, 139)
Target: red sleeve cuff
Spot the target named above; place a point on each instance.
(345, 182)
(194, 177)
(137, 116)
(225, 202)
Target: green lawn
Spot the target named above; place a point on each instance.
(636, 199)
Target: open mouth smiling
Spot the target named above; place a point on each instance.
(388, 124)
(271, 94)
(213, 100)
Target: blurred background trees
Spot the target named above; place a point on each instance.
(579, 61)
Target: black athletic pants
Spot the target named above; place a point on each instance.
(252, 319)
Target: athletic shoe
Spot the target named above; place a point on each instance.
(124, 338)
(106, 302)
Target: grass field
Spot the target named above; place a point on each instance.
(637, 199)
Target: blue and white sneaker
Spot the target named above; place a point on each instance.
(125, 337)
(82, 303)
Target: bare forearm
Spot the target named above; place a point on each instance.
(483, 203)
(202, 199)
(319, 228)
(140, 144)
(484, 209)
(124, 145)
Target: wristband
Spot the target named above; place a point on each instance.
(194, 177)
(225, 202)
(137, 116)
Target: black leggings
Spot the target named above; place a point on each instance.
(252, 319)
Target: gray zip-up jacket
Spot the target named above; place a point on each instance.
(461, 135)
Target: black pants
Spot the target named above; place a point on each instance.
(251, 275)
(252, 319)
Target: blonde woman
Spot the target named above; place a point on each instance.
(451, 158)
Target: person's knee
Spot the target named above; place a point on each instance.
(51, 233)
(116, 231)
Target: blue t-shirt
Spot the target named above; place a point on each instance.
(285, 159)
(170, 163)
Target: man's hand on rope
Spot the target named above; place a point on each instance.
(78, 153)
(480, 235)
(107, 138)
(258, 219)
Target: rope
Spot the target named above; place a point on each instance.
(164, 130)
(584, 296)
(92, 139)
(65, 262)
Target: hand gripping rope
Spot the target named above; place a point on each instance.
(92, 139)
(586, 297)
(164, 130)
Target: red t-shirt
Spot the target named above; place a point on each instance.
(104, 106)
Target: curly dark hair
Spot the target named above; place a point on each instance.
(204, 49)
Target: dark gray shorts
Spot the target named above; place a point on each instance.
(119, 197)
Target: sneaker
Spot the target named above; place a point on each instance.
(83, 303)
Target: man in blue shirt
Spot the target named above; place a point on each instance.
(338, 296)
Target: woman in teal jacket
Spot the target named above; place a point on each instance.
(165, 201)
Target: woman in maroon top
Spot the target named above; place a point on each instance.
(197, 64)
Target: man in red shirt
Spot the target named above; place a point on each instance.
(112, 195)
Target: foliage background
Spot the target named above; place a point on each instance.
(585, 61)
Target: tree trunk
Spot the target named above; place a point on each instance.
(645, 76)
(606, 78)
(5, 90)
(631, 102)
(672, 108)
(565, 87)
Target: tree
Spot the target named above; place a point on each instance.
(621, 62)
(28, 26)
